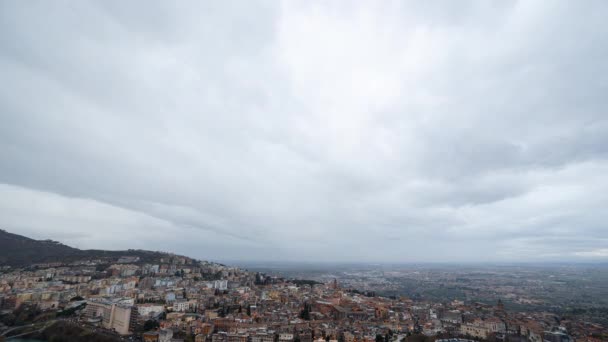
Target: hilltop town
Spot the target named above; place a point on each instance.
(176, 298)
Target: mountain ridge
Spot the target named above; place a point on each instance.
(19, 251)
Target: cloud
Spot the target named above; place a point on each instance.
(308, 130)
(601, 252)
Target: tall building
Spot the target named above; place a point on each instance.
(113, 316)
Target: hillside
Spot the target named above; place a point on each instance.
(17, 250)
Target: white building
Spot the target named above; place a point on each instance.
(113, 316)
(181, 306)
(148, 310)
(285, 337)
(218, 284)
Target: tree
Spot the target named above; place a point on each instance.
(418, 338)
(305, 313)
(150, 324)
(70, 311)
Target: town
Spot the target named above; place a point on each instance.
(176, 298)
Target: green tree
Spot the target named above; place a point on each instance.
(150, 325)
(305, 313)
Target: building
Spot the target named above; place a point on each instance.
(237, 338)
(151, 336)
(494, 325)
(556, 336)
(113, 316)
(148, 310)
(164, 335)
(474, 330)
(182, 305)
(286, 337)
(218, 284)
(452, 316)
(262, 338)
(219, 337)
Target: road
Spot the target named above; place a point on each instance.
(46, 325)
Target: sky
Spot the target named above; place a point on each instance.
(380, 131)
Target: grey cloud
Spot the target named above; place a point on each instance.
(354, 131)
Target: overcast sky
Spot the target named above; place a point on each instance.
(384, 131)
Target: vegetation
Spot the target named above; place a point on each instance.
(65, 332)
(301, 282)
(419, 338)
(363, 293)
(151, 325)
(305, 313)
(21, 251)
(25, 314)
(71, 311)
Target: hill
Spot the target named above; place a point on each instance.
(18, 251)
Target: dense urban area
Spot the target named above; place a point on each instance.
(153, 296)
